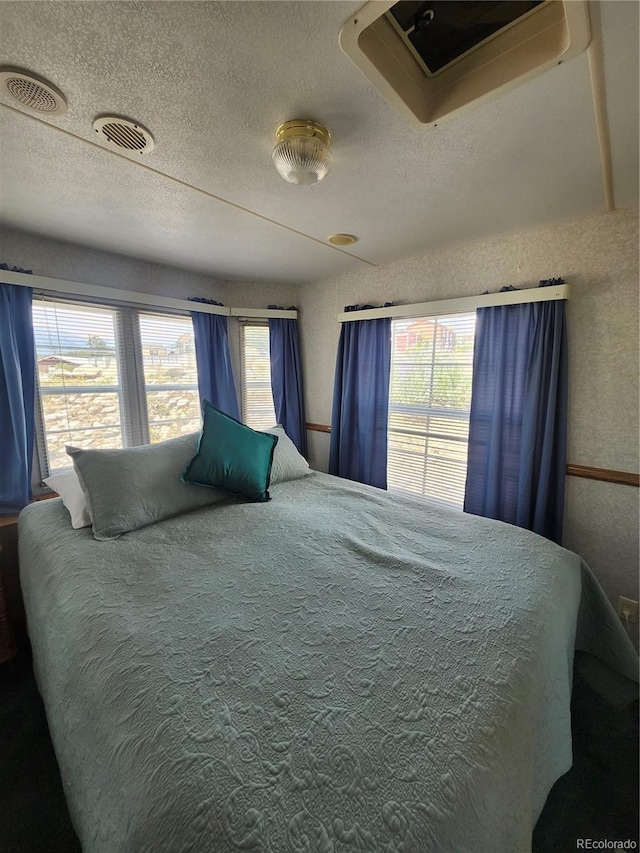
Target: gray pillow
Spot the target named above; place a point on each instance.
(287, 464)
(128, 489)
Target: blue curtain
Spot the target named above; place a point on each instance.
(518, 423)
(286, 379)
(213, 357)
(17, 391)
(361, 402)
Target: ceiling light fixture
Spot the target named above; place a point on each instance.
(303, 151)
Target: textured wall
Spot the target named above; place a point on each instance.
(58, 259)
(598, 257)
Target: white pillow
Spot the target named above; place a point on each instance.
(288, 464)
(67, 485)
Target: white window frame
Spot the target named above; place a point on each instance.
(132, 390)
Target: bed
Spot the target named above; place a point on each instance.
(337, 669)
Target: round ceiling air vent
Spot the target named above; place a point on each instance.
(124, 133)
(32, 91)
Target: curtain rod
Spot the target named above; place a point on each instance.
(134, 298)
(460, 305)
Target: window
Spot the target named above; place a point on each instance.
(429, 403)
(257, 398)
(79, 374)
(170, 374)
(111, 377)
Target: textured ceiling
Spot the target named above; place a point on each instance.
(213, 80)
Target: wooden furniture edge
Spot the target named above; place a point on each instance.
(604, 475)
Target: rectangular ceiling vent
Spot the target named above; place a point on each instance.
(433, 59)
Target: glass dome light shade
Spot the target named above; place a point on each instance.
(302, 154)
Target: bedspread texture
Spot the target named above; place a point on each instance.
(339, 669)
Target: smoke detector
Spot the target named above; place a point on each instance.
(433, 58)
(123, 133)
(32, 91)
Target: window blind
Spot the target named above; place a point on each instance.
(170, 375)
(429, 403)
(78, 359)
(110, 376)
(257, 398)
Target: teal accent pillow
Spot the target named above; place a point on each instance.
(231, 456)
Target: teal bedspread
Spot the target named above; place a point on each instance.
(337, 670)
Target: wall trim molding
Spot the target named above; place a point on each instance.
(318, 427)
(605, 475)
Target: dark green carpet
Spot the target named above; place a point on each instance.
(597, 798)
(33, 812)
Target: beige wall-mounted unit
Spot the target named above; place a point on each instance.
(434, 59)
